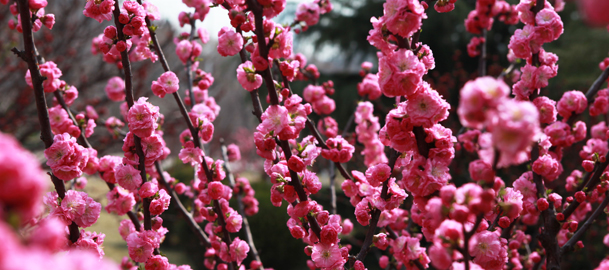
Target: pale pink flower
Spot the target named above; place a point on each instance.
(120, 201)
(274, 119)
(229, 42)
(142, 118)
(139, 249)
(326, 255)
(167, 83)
(308, 13)
(191, 154)
(247, 77)
(184, 50)
(99, 10)
(239, 250)
(157, 262)
(91, 213)
(128, 177)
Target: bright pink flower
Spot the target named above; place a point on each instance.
(400, 73)
(406, 249)
(66, 158)
(160, 204)
(324, 106)
(547, 167)
(326, 255)
(239, 250)
(91, 213)
(247, 77)
(426, 108)
(99, 11)
(233, 222)
(369, 86)
(167, 83)
(547, 109)
(404, 17)
(478, 97)
(128, 177)
(308, 13)
(489, 250)
(120, 201)
(572, 102)
(229, 42)
(191, 154)
(274, 119)
(184, 50)
(142, 118)
(378, 174)
(140, 250)
(157, 262)
(339, 150)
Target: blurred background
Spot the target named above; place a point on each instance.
(337, 46)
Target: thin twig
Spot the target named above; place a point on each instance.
(240, 208)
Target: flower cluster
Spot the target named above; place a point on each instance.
(367, 133)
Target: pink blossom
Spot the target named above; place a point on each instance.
(142, 118)
(369, 86)
(247, 77)
(66, 158)
(547, 109)
(426, 108)
(400, 73)
(339, 150)
(477, 98)
(403, 17)
(233, 222)
(489, 250)
(140, 250)
(229, 42)
(91, 212)
(128, 177)
(326, 255)
(274, 119)
(572, 102)
(157, 262)
(120, 201)
(100, 10)
(547, 167)
(513, 130)
(184, 50)
(378, 174)
(239, 250)
(167, 83)
(191, 154)
(308, 13)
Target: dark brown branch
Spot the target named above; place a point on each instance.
(569, 246)
(194, 226)
(551, 227)
(285, 146)
(46, 135)
(376, 214)
(594, 88)
(130, 101)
